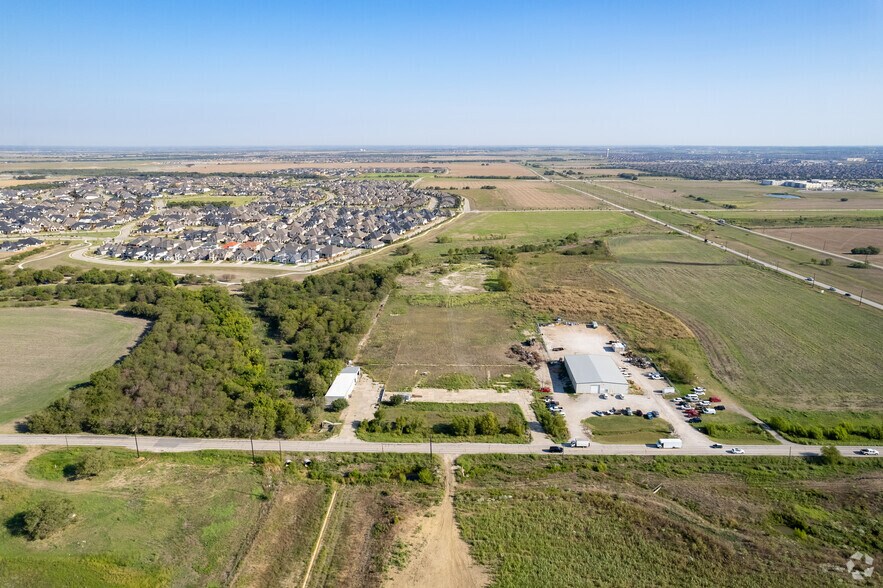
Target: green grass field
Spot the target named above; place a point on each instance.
(438, 416)
(210, 198)
(46, 350)
(809, 218)
(467, 334)
(731, 427)
(576, 521)
(619, 429)
(775, 344)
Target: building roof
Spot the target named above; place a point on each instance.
(589, 369)
(351, 369)
(343, 384)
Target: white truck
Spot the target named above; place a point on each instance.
(584, 443)
(669, 444)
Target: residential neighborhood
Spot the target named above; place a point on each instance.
(272, 218)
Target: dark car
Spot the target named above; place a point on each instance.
(720, 407)
(717, 446)
(557, 349)
(556, 449)
(695, 420)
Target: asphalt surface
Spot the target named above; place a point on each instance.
(179, 444)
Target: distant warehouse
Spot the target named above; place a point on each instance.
(594, 374)
(343, 384)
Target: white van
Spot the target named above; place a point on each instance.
(584, 443)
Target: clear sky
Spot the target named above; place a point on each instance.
(544, 72)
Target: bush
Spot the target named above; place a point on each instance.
(487, 424)
(553, 424)
(830, 455)
(396, 400)
(47, 518)
(339, 404)
(463, 426)
(425, 476)
(92, 464)
(678, 368)
(869, 250)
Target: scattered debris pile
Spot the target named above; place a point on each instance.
(526, 354)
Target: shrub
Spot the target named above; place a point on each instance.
(92, 464)
(463, 426)
(554, 424)
(396, 400)
(425, 476)
(487, 424)
(47, 518)
(339, 404)
(830, 455)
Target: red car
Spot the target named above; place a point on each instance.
(546, 390)
(714, 399)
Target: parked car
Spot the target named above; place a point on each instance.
(720, 407)
(868, 451)
(717, 446)
(698, 389)
(620, 397)
(545, 389)
(556, 449)
(602, 396)
(557, 349)
(715, 399)
(694, 420)
(736, 451)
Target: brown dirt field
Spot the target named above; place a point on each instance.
(833, 239)
(5, 183)
(470, 168)
(442, 559)
(279, 553)
(515, 194)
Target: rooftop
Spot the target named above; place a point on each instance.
(594, 368)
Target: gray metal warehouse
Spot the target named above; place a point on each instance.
(594, 374)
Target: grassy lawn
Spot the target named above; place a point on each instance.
(576, 521)
(734, 428)
(210, 198)
(437, 417)
(46, 350)
(155, 522)
(626, 429)
(437, 335)
(775, 344)
(810, 218)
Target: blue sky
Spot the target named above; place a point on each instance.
(300, 73)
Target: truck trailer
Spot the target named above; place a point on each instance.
(669, 444)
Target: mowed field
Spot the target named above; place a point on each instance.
(45, 350)
(418, 339)
(811, 218)
(742, 194)
(776, 344)
(514, 194)
(837, 240)
(668, 521)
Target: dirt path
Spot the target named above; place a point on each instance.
(318, 546)
(442, 558)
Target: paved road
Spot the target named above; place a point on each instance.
(176, 444)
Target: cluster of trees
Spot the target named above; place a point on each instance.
(200, 371)
(507, 256)
(869, 250)
(841, 432)
(597, 247)
(45, 518)
(321, 319)
(404, 425)
(553, 424)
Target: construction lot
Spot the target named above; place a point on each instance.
(577, 339)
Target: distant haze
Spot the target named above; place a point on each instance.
(441, 73)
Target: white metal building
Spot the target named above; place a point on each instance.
(595, 374)
(343, 384)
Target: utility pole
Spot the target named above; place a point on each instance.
(137, 449)
(280, 451)
(430, 448)
(861, 297)
(251, 440)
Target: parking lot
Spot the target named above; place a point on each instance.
(574, 339)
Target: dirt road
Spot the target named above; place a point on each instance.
(442, 558)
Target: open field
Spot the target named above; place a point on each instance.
(809, 218)
(775, 344)
(514, 194)
(440, 335)
(46, 350)
(254, 525)
(438, 416)
(575, 521)
(209, 198)
(743, 194)
(733, 428)
(504, 228)
(834, 239)
(626, 429)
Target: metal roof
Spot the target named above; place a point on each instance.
(590, 369)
